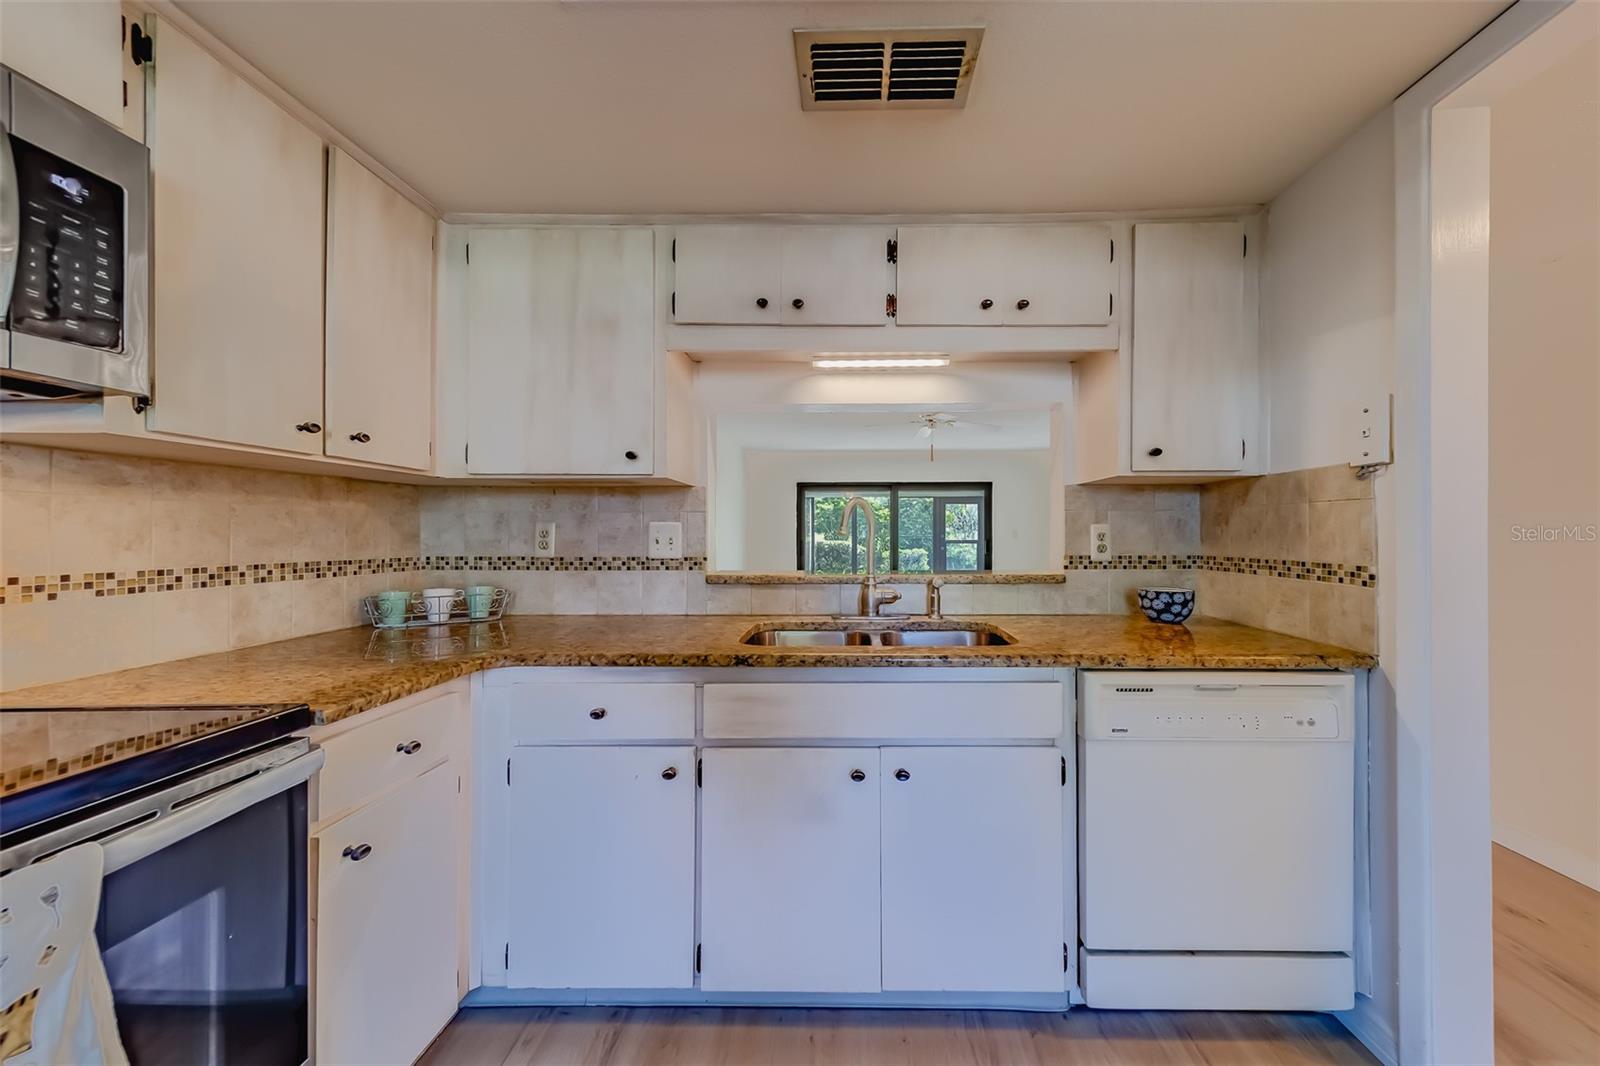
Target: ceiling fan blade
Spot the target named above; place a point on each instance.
(988, 427)
(925, 431)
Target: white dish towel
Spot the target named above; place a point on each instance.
(55, 1001)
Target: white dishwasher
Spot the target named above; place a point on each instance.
(1216, 840)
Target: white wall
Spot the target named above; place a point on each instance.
(1021, 503)
(1327, 343)
(1544, 467)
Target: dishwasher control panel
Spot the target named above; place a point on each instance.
(1206, 706)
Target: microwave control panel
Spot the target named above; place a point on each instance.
(69, 283)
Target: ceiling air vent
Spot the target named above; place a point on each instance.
(863, 69)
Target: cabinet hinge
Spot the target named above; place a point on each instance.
(1111, 304)
(1241, 447)
(466, 453)
(124, 94)
(697, 958)
(469, 253)
(674, 249)
(1244, 244)
(699, 772)
(894, 250)
(508, 771)
(1113, 249)
(1063, 771)
(141, 46)
(674, 302)
(1066, 958)
(890, 305)
(508, 957)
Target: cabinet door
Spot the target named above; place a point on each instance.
(602, 868)
(73, 49)
(386, 927)
(946, 273)
(1194, 362)
(728, 275)
(789, 870)
(838, 275)
(237, 279)
(379, 320)
(561, 351)
(973, 861)
(1062, 274)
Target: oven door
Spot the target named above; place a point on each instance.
(203, 922)
(74, 240)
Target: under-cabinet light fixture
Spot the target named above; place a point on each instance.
(862, 361)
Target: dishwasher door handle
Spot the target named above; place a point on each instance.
(142, 841)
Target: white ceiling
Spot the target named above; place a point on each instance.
(882, 431)
(595, 106)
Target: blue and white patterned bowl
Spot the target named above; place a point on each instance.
(1171, 606)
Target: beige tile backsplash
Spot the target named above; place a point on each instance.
(334, 540)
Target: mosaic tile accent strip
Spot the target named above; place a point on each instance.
(48, 587)
(1295, 569)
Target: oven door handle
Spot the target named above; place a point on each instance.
(10, 223)
(127, 848)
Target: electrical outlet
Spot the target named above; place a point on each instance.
(666, 540)
(1100, 540)
(544, 539)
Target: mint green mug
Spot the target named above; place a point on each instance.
(393, 607)
(480, 598)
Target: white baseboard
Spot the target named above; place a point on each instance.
(1583, 869)
(1372, 1029)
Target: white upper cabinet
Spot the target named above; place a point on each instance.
(1194, 347)
(979, 275)
(379, 320)
(561, 351)
(728, 275)
(973, 869)
(237, 203)
(71, 47)
(782, 275)
(836, 275)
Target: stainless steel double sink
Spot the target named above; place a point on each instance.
(868, 635)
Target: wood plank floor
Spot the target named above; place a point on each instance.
(1546, 965)
(703, 1036)
(1547, 1011)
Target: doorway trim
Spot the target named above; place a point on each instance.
(1441, 550)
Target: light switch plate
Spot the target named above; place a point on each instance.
(1371, 419)
(1100, 540)
(666, 540)
(544, 539)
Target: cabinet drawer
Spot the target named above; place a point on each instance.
(365, 761)
(600, 712)
(1000, 710)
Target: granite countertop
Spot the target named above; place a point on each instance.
(800, 577)
(348, 671)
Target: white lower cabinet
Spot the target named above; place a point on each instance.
(973, 870)
(386, 924)
(789, 870)
(602, 859)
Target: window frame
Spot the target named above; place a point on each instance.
(983, 491)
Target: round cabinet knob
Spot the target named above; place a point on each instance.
(1155, 451)
(598, 713)
(902, 774)
(357, 852)
(361, 438)
(669, 773)
(1022, 305)
(631, 455)
(797, 303)
(309, 427)
(410, 747)
(985, 304)
(761, 302)
(857, 775)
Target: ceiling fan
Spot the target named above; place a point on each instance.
(934, 421)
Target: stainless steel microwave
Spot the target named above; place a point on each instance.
(74, 249)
